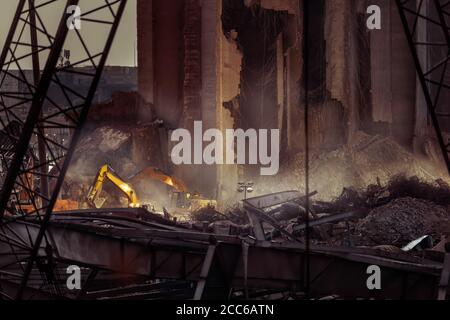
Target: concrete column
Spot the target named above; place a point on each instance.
(168, 59)
(393, 76)
(403, 83)
(228, 75)
(342, 60)
(145, 49)
(380, 47)
(210, 93)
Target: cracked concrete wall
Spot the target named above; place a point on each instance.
(393, 77)
(294, 70)
(336, 44)
(341, 56)
(229, 64)
(220, 72)
(168, 58)
(335, 120)
(332, 114)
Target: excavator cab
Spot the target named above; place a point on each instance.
(191, 202)
(180, 200)
(179, 197)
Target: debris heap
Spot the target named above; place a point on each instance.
(401, 221)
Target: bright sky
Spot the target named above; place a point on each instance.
(123, 51)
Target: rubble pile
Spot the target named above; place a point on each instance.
(401, 221)
(233, 222)
(399, 186)
(358, 165)
(385, 208)
(103, 145)
(394, 214)
(438, 193)
(208, 214)
(126, 149)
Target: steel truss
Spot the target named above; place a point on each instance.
(138, 255)
(435, 76)
(38, 134)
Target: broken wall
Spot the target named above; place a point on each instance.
(204, 69)
(128, 112)
(393, 77)
(342, 64)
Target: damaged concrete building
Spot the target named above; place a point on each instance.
(377, 192)
(236, 63)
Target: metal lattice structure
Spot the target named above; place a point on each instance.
(38, 135)
(433, 69)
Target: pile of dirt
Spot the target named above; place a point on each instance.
(104, 139)
(393, 213)
(437, 192)
(400, 186)
(209, 214)
(233, 222)
(368, 161)
(400, 222)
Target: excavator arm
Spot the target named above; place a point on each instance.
(180, 195)
(159, 175)
(106, 172)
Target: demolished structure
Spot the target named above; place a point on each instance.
(377, 151)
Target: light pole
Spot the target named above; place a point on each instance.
(245, 188)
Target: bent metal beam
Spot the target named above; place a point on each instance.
(179, 255)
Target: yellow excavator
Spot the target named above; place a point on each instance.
(179, 197)
(107, 173)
